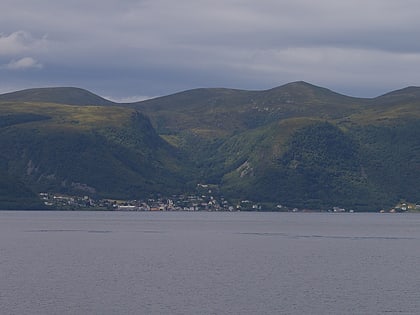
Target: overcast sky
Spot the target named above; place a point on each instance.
(131, 49)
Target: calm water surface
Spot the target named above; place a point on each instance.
(208, 263)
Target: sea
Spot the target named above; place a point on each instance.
(83, 262)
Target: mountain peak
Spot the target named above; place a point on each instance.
(413, 91)
(59, 95)
(300, 83)
(401, 96)
(304, 92)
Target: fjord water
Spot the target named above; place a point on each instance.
(209, 263)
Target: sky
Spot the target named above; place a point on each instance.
(128, 50)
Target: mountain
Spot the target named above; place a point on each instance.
(402, 96)
(222, 128)
(58, 95)
(282, 145)
(100, 151)
(298, 145)
(224, 111)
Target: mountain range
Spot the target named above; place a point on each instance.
(298, 145)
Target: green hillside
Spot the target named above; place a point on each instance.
(222, 112)
(297, 145)
(277, 145)
(15, 195)
(58, 95)
(98, 151)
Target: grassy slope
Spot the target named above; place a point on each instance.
(238, 138)
(58, 95)
(95, 150)
(222, 112)
(223, 128)
(242, 140)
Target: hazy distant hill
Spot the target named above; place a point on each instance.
(296, 145)
(59, 95)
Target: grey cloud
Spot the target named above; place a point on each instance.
(345, 45)
(20, 42)
(22, 64)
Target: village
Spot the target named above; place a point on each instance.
(202, 200)
(187, 202)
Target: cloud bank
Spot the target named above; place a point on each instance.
(20, 42)
(144, 47)
(22, 64)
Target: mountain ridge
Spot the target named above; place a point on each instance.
(58, 95)
(297, 145)
(80, 96)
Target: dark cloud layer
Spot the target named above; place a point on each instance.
(143, 48)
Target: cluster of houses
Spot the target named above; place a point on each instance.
(177, 203)
(204, 201)
(402, 207)
(174, 203)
